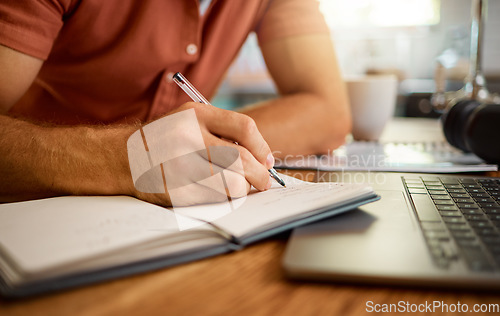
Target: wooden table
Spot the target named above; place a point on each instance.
(248, 282)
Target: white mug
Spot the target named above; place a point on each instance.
(373, 101)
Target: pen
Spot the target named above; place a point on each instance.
(194, 94)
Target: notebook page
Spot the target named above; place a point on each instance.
(264, 209)
(43, 234)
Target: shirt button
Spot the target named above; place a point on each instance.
(169, 77)
(191, 49)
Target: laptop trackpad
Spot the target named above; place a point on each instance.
(381, 238)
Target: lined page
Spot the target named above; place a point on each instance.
(44, 233)
(263, 209)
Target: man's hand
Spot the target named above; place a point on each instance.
(199, 154)
(38, 161)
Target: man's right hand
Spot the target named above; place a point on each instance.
(181, 141)
(37, 162)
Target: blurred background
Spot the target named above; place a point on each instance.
(403, 37)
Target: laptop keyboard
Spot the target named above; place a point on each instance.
(460, 219)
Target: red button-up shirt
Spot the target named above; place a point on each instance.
(110, 60)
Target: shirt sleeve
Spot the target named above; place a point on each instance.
(31, 26)
(284, 18)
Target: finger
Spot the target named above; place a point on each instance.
(226, 163)
(254, 171)
(239, 128)
(186, 186)
(209, 174)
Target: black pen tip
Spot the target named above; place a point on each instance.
(177, 76)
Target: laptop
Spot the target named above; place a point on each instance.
(426, 230)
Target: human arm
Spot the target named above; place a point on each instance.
(40, 161)
(312, 114)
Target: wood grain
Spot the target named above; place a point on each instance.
(248, 282)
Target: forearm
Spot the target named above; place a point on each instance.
(302, 123)
(37, 161)
(313, 114)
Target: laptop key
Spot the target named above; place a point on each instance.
(467, 205)
(497, 260)
(480, 224)
(494, 217)
(439, 258)
(447, 207)
(412, 180)
(417, 191)
(489, 204)
(462, 200)
(443, 202)
(472, 186)
(494, 249)
(442, 252)
(486, 232)
(469, 244)
(439, 192)
(481, 200)
(437, 235)
(434, 188)
(494, 240)
(470, 236)
(479, 195)
(476, 190)
(477, 260)
(453, 220)
(473, 211)
(492, 210)
(459, 227)
(438, 226)
(476, 218)
(430, 181)
(440, 197)
(450, 213)
(460, 195)
(468, 180)
(424, 207)
(415, 186)
(459, 191)
(449, 181)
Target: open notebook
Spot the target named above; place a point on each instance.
(61, 242)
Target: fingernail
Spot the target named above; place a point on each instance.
(270, 161)
(268, 186)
